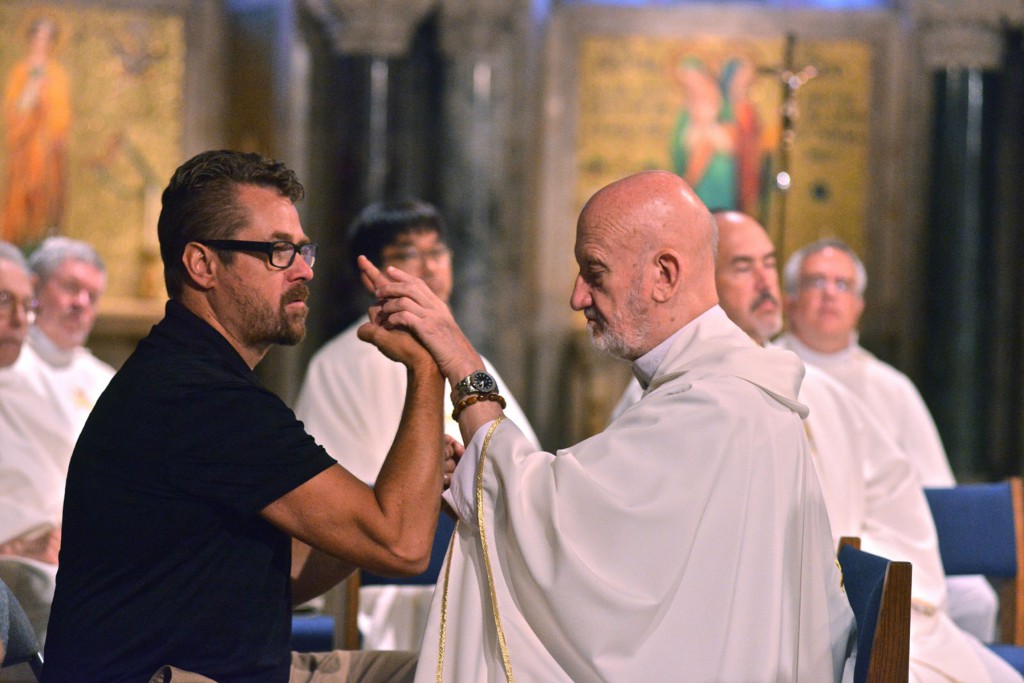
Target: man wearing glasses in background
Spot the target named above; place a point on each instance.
(351, 399)
(35, 446)
(825, 283)
(198, 510)
(70, 278)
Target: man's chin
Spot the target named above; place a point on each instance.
(291, 336)
(600, 341)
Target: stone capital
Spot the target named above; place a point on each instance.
(471, 28)
(379, 28)
(964, 33)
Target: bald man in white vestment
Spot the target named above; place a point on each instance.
(36, 441)
(351, 398)
(686, 542)
(825, 283)
(868, 482)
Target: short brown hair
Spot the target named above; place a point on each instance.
(200, 202)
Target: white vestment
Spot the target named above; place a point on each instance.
(686, 542)
(871, 491)
(78, 377)
(351, 402)
(36, 440)
(896, 404)
(894, 401)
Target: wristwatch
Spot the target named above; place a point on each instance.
(479, 382)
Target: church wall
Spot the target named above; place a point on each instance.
(146, 91)
(506, 171)
(888, 230)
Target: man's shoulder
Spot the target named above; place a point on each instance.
(88, 363)
(881, 371)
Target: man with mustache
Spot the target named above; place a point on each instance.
(35, 446)
(197, 509)
(70, 279)
(688, 540)
(869, 484)
(825, 283)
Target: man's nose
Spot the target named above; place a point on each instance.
(580, 295)
(301, 270)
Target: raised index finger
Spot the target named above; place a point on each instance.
(370, 274)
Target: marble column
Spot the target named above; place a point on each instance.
(475, 41)
(962, 48)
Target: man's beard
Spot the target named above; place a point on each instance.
(267, 326)
(765, 327)
(623, 335)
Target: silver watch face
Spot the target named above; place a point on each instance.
(482, 382)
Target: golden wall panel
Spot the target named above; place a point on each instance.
(710, 109)
(124, 69)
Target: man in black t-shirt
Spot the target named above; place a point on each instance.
(198, 511)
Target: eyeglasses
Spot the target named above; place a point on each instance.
(407, 255)
(9, 301)
(821, 283)
(281, 254)
(75, 289)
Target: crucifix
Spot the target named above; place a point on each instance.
(792, 80)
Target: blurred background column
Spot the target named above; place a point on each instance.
(972, 370)
(378, 33)
(475, 38)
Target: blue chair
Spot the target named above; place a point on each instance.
(312, 633)
(879, 593)
(981, 531)
(19, 640)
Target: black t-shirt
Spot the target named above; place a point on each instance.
(164, 557)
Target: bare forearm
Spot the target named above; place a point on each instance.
(315, 572)
(409, 485)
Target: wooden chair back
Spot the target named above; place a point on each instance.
(879, 593)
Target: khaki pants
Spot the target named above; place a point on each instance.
(340, 666)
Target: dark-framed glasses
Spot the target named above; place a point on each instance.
(820, 283)
(280, 254)
(406, 255)
(9, 301)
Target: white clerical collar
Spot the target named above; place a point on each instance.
(646, 365)
(824, 359)
(47, 350)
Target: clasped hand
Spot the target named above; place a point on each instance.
(406, 303)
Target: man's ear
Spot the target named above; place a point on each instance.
(200, 265)
(668, 266)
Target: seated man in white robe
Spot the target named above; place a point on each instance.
(35, 446)
(352, 395)
(70, 278)
(869, 484)
(825, 283)
(687, 541)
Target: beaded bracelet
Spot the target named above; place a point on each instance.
(475, 398)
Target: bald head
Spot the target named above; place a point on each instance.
(646, 249)
(746, 276)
